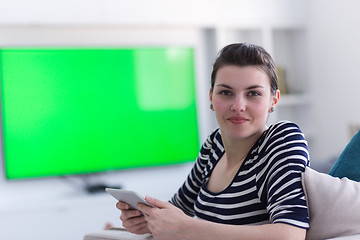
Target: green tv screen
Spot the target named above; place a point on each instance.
(75, 110)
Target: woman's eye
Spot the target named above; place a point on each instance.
(254, 93)
(225, 93)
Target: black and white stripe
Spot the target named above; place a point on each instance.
(266, 189)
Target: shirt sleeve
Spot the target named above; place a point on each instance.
(281, 185)
(186, 195)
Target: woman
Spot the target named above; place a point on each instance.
(246, 182)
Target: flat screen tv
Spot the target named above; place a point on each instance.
(78, 110)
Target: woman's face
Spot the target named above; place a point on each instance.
(241, 98)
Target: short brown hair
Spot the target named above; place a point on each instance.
(243, 54)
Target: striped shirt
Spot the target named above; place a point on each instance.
(266, 189)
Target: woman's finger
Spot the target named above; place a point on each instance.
(127, 214)
(122, 205)
(156, 202)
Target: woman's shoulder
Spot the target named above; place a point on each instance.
(282, 132)
(214, 139)
(282, 128)
(283, 139)
(211, 150)
(213, 143)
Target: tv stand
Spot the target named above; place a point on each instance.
(98, 188)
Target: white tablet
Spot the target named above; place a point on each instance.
(130, 197)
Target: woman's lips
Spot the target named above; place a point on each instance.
(237, 120)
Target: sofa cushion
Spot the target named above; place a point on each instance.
(353, 237)
(348, 164)
(333, 204)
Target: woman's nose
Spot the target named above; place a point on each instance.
(238, 105)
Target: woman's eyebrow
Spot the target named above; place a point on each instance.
(248, 88)
(255, 86)
(223, 85)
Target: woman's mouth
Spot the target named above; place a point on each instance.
(237, 120)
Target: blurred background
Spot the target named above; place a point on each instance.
(314, 44)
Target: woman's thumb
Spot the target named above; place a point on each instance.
(156, 202)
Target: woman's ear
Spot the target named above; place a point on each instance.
(275, 98)
(210, 98)
(210, 95)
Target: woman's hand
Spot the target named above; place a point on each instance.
(165, 221)
(133, 220)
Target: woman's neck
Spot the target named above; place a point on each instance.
(237, 149)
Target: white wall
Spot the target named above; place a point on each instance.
(90, 12)
(334, 71)
(155, 12)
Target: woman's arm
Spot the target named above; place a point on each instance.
(186, 196)
(168, 222)
(184, 199)
(279, 183)
(199, 229)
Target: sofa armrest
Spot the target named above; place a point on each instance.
(353, 237)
